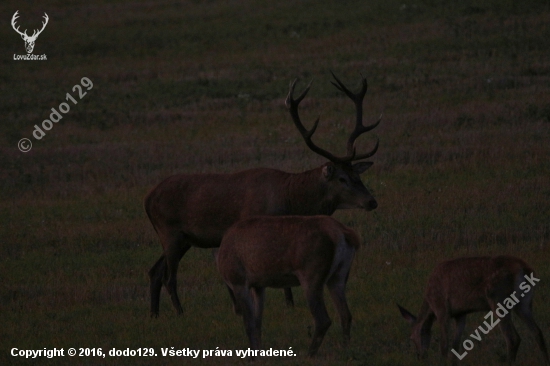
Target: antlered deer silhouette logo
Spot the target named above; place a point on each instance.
(29, 40)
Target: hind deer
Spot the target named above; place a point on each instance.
(462, 286)
(194, 210)
(286, 251)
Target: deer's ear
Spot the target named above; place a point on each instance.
(406, 314)
(361, 167)
(23, 36)
(328, 171)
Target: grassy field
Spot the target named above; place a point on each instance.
(463, 166)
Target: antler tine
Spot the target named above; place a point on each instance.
(356, 97)
(290, 99)
(359, 129)
(366, 155)
(292, 105)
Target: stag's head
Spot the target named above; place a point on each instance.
(29, 40)
(421, 332)
(342, 175)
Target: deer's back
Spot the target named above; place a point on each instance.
(270, 251)
(464, 283)
(203, 206)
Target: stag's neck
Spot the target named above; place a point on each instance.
(307, 194)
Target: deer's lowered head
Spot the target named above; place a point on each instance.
(462, 286)
(29, 40)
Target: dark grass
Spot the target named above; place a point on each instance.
(463, 166)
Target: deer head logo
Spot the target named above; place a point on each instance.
(29, 40)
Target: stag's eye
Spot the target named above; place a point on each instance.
(343, 180)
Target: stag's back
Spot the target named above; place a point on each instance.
(203, 206)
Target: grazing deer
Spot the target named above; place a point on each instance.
(462, 286)
(196, 209)
(287, 251)
(29, 40)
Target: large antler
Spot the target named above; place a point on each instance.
(359, 127)
(357, 98)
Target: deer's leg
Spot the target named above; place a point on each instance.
(245, 302)
(258, 296)
(313, 288)
(337, 288)
(289, 299)
(512, 337)
(510, 334)
(155, 277)
(173, 254)
(460, 324)
(236, 306)
(443, 320)
(525, 311)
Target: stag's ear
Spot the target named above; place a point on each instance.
(405, 314)
(328, 171)
(361, 167)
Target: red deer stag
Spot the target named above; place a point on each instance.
(196, 209)
(287, 251)
(462, 286)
